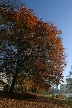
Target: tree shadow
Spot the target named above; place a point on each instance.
(18, 96)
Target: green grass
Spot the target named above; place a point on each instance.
(64, 101)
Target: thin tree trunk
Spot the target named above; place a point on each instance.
(13, 82)
(17, 70)
(22, 87)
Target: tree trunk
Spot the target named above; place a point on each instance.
(13, 82)
(22, 87)
(18, 67)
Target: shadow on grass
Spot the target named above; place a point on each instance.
(32, 97)
(17, 96)
(25, 96)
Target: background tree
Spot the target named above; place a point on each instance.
(12, 3)
(69, 81)
(32, 47)
(5, 81)
(24, 83)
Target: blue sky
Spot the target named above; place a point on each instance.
(60, 13)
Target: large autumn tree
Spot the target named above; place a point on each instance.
(31, 46)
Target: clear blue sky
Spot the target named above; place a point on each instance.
(60, 13)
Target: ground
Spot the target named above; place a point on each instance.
(30, 100)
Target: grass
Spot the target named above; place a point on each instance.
(31, 100)
(67, 101)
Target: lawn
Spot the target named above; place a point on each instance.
(30, 100)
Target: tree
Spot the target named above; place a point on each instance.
(33, 47)
(5, 81)
(4, 30)
(23, 82)
(69, 81)
(12, 3)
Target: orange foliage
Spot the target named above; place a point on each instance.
(39, 46)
